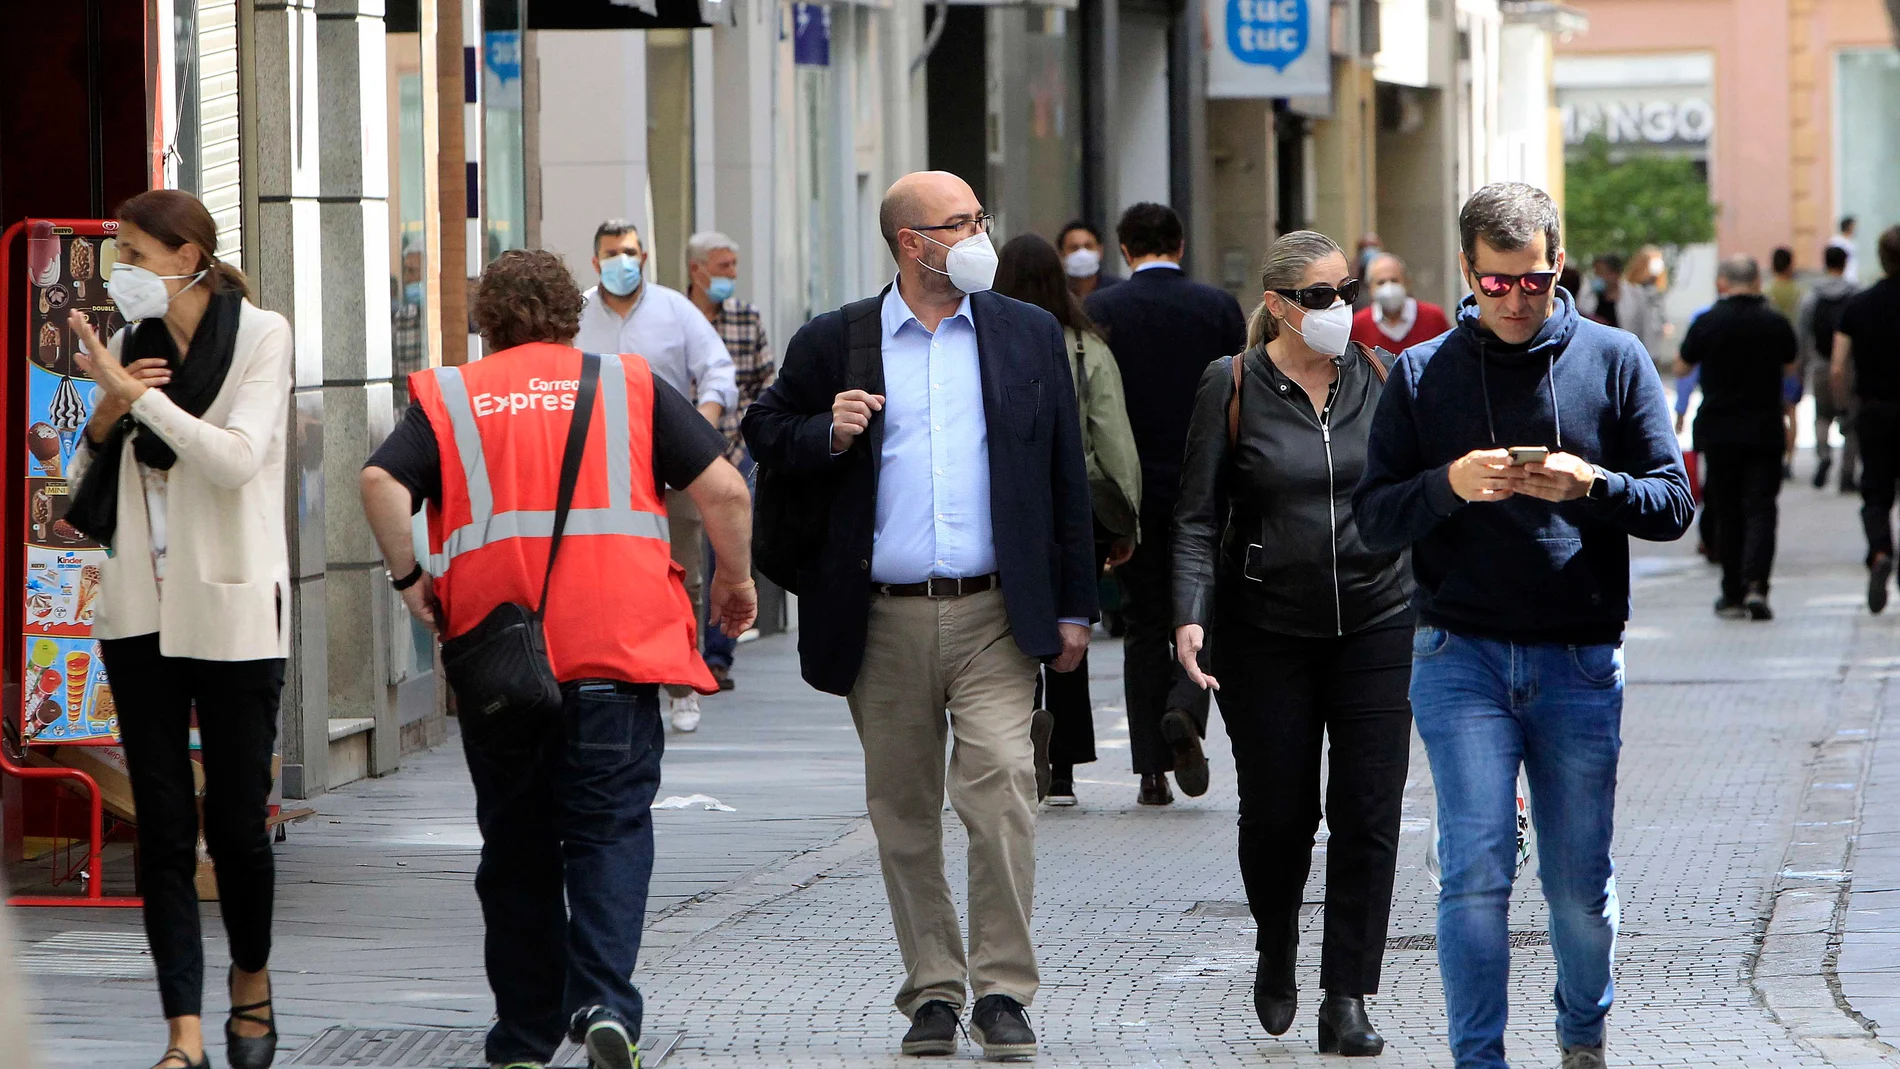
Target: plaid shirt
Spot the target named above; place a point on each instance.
(742, 327)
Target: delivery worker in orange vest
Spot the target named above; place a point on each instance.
(563, 805)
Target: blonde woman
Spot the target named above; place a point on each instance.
(1313, 634)
(182, 476)
(1640, 309)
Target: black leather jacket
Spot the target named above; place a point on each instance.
(1264, 533)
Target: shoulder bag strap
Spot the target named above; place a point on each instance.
(1081, 373)
(1233, 403)
(1380, 360)
(571, 463)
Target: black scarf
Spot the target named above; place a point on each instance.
(195, 383)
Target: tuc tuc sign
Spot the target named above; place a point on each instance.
(1268, 48)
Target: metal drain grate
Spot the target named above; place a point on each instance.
(1519, 940)
(103, 955)
(343, 1047)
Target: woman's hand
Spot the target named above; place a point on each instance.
(121, 385)
(1188, 639)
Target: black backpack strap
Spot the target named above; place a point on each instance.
(864, 346)
(571, 463)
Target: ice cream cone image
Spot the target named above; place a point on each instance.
(42, 440)
(78, 668)
(88, 591)
(67, 414)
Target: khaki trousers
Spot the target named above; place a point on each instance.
(937, 668)
(687, 532)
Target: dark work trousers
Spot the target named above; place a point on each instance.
(1066, 696)
(237, 705)
(1878, 424)
(567, 853)
(1739, 494)
(1154, 681)
(1279, 694)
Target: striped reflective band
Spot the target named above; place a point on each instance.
(487, 527)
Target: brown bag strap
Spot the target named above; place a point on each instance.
(1233, 403)
(1379, 359)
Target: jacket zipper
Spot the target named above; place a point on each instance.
(1332, 510)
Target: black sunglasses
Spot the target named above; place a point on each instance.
(1321, 297)
(1534, 284)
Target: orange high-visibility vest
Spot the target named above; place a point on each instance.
(617, 608)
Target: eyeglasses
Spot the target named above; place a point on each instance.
(1534, 284)
(981, 222)
(1321, 297)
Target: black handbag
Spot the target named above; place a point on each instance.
(499, 669)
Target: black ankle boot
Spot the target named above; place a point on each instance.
(1343, 1028)
(1276, 996)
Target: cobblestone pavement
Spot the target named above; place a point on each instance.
(770, 944)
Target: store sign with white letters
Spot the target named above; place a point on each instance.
(1268, 48)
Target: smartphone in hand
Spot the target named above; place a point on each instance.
(1528, 454)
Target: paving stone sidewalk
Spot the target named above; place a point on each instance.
(770, 944)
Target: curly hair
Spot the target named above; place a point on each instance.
(527, 295)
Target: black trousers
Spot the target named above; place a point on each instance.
(237, 727)
(1154, 682)
(1739, 494)
(1279, 695)
(1878, 424)
(1066, 696)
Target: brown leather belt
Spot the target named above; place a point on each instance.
(939, 587)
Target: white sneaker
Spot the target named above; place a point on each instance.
(685, 713)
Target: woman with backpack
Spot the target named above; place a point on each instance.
(1030, 270)
(1312, 629)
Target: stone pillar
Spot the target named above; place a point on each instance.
(357, 402)
(283, 258)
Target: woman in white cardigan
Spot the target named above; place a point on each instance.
(182, 476)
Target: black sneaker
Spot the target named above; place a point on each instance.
(601, 1031)
(933, 1029)
(1757, 605)
(1730, 610)
(1001, 1028)
(1190, 763)
(1821, 468)
(1878, 574)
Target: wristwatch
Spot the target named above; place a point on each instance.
(1600, 486)
(406, 581)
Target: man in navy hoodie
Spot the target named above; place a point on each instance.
(1522, 594)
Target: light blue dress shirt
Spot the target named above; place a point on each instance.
(933, 485)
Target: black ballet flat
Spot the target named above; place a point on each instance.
(179, 1054)
(249, 1052)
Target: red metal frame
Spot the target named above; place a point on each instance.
(95, 866)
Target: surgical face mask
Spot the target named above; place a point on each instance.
(1390, 297)
(719, 290)
(970, 263)
(1328, 331)
(620, 274)
(139, 294)
(1082, 263)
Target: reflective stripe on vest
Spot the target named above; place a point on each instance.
(487, 527)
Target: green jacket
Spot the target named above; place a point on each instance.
(1108, 443)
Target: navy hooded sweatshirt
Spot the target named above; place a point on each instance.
(1523, 569)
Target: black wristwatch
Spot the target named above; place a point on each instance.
(1600, 486)
(406, 581)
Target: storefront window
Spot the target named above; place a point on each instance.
(408, 212)
(504, 192)
(669, 153)
(184, 167)
(1866, 142)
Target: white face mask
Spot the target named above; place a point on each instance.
(1390, 297)
(970, 264)
(139, 294)
(1328, 331)
(1082, 263)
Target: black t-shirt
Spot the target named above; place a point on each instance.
(1744, 348)
(684, 445)
(1871, 321)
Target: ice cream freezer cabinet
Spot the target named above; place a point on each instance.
(56, 693)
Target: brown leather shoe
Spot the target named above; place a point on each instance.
(1154, 790)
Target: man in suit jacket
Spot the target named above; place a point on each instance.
(959, 553)
(1164, 329)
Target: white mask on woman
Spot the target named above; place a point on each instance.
(1082, 263)
(140, 294)
(1328, 331)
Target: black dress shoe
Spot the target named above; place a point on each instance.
(1154, 790)
(1343, 1028)
(249, 1052)
(1276, 998)
(933, 1029)
(1001, 1027)
(1190, 764)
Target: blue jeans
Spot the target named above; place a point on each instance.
(567, 853)
(1483, 707)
